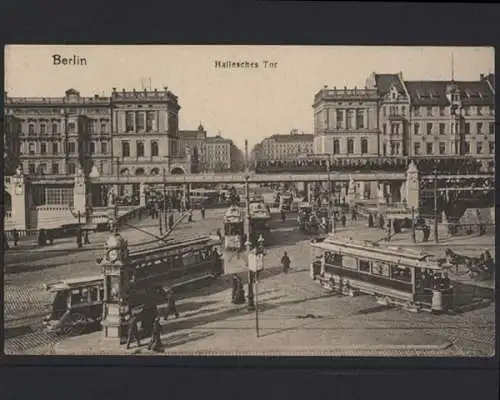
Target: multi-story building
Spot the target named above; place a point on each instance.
(145, 132)
(346, 122)
(278, 147)
(393, 113)
(220, 154)
(395, 117)
(56, 133)
(11, 144)
(452, 117)
(194, 141)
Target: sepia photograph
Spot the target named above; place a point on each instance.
(213, 200)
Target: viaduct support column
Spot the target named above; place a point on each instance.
(17, 187)
(412, 187)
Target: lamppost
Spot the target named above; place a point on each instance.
(413, 234)
(436, 238)
(330, 225)
(256, 264)
(165, 213)
(248, 244)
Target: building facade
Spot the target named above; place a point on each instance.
(396, 117)
(57, 134)
(11, 144)
(346, 122)
(131, 132)
(220, 155)
(280, 147)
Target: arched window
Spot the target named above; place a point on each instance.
(125, 171)
(139, 172)
(155, 171)
(154, 149)
(31, 148)
(140, 149)
(364, 146)
(336, 147)
(125, 149)
(350, 146)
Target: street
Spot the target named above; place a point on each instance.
(296, 316)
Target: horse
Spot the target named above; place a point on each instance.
(475, 266)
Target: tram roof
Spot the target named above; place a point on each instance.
(392, 254)
(74, 283)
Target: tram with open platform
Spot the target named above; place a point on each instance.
(395, 276)
(233, 227)
(78, 303)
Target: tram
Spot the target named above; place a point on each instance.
(78, 303)
(395, 276)
(233, 228)
(259, 219)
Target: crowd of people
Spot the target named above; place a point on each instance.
(426, 166)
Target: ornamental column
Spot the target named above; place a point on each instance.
(412, 187)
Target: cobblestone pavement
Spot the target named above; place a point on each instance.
(208, 318)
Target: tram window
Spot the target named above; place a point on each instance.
(350, 262)
(76, 297)
(381, 269)
(94, 294)
(400, 273)
(364, 266)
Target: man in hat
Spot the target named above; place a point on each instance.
(133, 331)
(155, 343)
(171, 307)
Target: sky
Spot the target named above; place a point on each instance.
(237, 103)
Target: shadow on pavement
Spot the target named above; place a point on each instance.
(19, 268)
(183, 338)
(372, 310)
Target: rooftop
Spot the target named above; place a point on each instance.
(384, 82)
(291, 138)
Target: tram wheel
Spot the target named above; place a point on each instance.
(77, 325)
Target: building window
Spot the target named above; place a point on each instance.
(384, 111)
(140, 121)
(442, 128)
(140, 149)
(71, 127)
(403, 110)
(479, 147)
(350, 115)
(492, 128)
(350, 146)
(429, 148)
(416, 128)
(71, 147)
(467, 128)
(442, 148)
(92, 147)
(125, 149)
(71, 169)
(54, 129)
(479, 127)
(360, 119)
(150, 121)
(492, 147)
(55, 168)
(467, 147)
(104, 147)
(466, 110)
(55, 148)
(42, 168)
(31, 129)
(103, 128)
(364, 146)
(429, 128)
(384, 149)
(101, 167)
(31, 168)
(43, 129)
(429, 111)
(384, 129)
(31, 149)
(154, 149)
(479, 111)
(129, 121)
(340, 119)
(43, 148)
(442, 111)
(395, 129)
(492, 110)
(91, 126)
(417, 111)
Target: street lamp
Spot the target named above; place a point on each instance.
(256, 264)
(436, 238)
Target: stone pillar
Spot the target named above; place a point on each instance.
(80, 193)
(351, 193)
(142, 195)
(365, 117)
(118, 273)
(412, 187)
(17, 187)
(402, 191)
(362, 190)
(381, 199)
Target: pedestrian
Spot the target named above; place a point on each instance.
(283, 215)
(370, 220)
(381, 221)
(389, 225)
(190, 215)
(202, 212)
(155, 343)
(285, 261)
(15, 236)
(219, 233)
(343, 219)
(133, 331)
(171, 221)
(171, 306)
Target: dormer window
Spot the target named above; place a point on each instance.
(454, 97)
